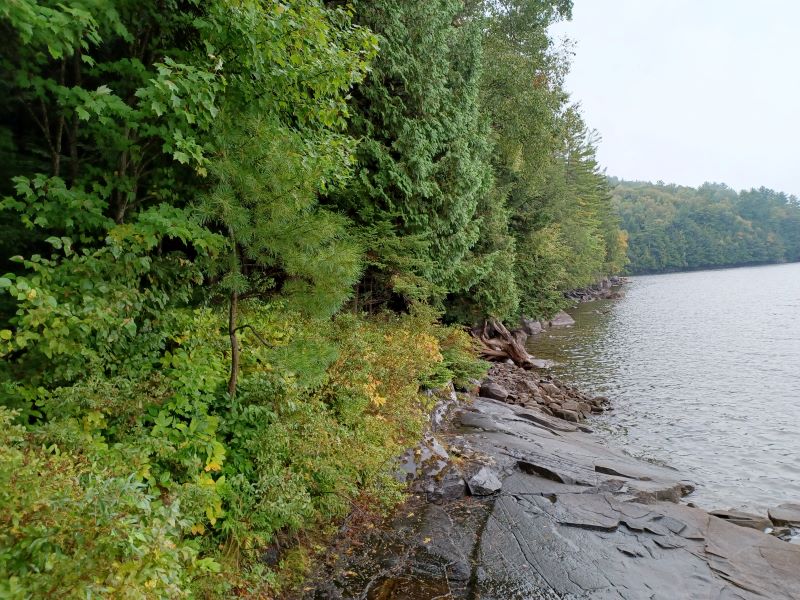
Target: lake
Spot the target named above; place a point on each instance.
(703, 370)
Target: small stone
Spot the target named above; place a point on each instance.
(484, 483)
(551, 389)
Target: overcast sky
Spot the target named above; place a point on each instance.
(688, 91)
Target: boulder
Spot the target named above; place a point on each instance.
(492, 390)
(530, 326)
(787, 514)
(484, 483)
(542, 363)
(520, 335)
(570, 405)
(567, 415)
(561, 319)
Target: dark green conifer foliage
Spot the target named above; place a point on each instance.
(422, 167)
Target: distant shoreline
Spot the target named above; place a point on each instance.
(711, 268)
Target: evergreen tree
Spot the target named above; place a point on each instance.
(421, 164)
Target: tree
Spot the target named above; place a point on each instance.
(421, 164)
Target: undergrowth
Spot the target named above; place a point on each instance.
(161, 485)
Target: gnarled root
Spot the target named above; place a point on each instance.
(497, 343)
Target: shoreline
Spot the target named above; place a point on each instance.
(512, 473)
(712, 268)
(512, 503)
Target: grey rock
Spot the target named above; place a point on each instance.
(574, 519)
(449, 486)
(550, 388)
(541, 363)
(447, 401)
(520, 335)
(493, 390)
(567, 415)
(562, 319)
(484, 483)
(570, 405)
(787, 514)
(743, 519)
(530, 326)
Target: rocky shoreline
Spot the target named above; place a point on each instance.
(549, 395)
(511, 501)
(605, 289)
(513, 497)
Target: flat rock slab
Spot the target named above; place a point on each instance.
(743, 519)
(573, 519)
(785, 514)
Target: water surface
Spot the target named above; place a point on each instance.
(703, 369)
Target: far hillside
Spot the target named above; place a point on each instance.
(673, 228)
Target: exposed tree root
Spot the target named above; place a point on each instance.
(497, 343)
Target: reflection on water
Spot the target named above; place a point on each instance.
(703, 371)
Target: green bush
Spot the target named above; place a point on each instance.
(70, 528)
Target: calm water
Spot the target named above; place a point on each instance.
(703, 369)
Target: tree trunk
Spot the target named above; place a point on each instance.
(497, 343)
(232, 315)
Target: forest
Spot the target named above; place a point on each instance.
(674, 228)
(241, 239)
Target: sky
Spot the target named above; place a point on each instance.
(688, 91)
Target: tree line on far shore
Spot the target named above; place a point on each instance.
(674, 228)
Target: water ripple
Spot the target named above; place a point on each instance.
(703, 370)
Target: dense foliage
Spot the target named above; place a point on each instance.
(676, 227)
(231, 234)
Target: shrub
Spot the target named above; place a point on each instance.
(69, 529)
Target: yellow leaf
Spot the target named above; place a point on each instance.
(427, 540)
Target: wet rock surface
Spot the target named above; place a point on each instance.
(543, 511)
(549, 395)
(561, 319)
(605, 289)
(786, 514)
(743, 519)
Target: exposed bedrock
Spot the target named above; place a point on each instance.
(554, 514)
